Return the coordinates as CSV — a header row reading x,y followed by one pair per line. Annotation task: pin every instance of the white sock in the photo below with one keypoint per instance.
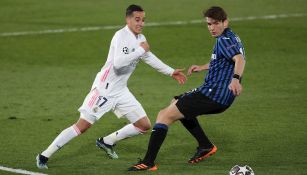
x,y
125,132
65,136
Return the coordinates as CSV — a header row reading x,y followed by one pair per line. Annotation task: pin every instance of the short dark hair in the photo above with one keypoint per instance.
x,y
132,8
216,13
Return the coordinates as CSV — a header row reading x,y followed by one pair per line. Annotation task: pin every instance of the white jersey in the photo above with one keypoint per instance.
x,y
124,54
109,90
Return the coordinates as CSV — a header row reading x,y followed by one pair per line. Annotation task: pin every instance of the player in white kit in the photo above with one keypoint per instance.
x,y
109,91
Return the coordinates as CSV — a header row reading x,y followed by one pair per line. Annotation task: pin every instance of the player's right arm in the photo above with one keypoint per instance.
x,y
122,55
198,68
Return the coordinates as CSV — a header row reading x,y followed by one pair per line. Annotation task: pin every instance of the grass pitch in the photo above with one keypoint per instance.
x,y
45,77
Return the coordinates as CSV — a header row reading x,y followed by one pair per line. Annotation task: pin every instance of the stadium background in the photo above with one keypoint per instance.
x,y
45,77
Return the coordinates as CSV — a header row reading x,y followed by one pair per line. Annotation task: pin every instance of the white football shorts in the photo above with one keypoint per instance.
x,y
96,104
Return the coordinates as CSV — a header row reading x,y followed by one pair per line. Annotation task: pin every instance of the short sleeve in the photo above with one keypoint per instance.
x,y
229,47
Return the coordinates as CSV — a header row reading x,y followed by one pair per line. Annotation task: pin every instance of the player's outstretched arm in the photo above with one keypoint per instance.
x,y
197,68
179,76
235,85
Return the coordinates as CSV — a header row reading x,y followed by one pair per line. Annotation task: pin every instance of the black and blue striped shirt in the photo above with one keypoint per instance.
x,y
221,68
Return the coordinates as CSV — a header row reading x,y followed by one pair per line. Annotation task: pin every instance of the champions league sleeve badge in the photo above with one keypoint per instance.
x,y
125,50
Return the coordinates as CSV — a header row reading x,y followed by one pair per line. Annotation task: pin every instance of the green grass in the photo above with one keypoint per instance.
x,y
44,79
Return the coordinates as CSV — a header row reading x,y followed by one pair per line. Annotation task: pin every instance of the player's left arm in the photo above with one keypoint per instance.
x,y
150,59
198,68
235,85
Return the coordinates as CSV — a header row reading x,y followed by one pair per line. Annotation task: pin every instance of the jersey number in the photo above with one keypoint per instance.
x,y
101,99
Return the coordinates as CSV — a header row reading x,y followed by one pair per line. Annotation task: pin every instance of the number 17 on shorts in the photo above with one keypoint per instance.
x,y
96,104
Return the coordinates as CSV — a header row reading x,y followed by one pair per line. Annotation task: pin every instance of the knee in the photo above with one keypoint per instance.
x,y
161,114
165,117
146,127
82,125
84,129
81,129
143,125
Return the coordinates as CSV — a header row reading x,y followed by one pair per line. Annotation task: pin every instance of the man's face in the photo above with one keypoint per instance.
x,y
215,27
136,22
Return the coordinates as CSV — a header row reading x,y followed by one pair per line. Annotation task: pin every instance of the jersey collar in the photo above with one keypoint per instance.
x,y
224,32
129,31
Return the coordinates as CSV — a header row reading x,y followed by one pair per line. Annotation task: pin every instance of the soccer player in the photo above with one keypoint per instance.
x,y
110,92
215,95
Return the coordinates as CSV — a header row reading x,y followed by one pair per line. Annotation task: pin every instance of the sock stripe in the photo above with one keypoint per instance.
x,y
160,125
76,129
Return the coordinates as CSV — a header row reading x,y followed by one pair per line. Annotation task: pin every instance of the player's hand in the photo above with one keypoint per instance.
x,y
235,87
194,68
179,76
145,46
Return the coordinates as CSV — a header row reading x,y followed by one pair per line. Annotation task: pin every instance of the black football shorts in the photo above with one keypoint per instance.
x,y
194,103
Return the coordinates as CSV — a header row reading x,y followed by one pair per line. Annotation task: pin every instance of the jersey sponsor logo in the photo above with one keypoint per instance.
x,y
125,50
225,38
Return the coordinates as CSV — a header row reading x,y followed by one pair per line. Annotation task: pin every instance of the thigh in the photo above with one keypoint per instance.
x,y
127,106
194,103
169,114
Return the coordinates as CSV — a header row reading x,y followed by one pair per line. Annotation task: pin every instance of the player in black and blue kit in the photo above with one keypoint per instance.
x,y
222,84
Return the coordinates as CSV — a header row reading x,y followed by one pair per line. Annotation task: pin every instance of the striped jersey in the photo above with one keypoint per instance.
x,y
221,68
